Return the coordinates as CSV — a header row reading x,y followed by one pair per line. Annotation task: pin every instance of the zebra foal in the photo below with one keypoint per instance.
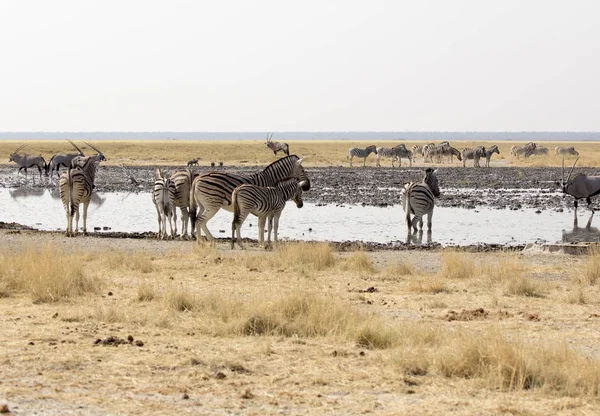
x,y
162,197
419,199
267,203
364,153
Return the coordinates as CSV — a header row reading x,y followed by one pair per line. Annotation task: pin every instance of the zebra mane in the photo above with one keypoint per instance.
x,y
278,162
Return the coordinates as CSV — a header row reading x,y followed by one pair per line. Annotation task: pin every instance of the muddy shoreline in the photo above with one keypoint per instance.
x,y
496,187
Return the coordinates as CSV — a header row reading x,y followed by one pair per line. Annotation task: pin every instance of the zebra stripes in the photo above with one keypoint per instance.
x,y
76,186
267,203
212,191
488,154
475,154
182,182
563,151
419,199
162,197
364,153
526,150
417,149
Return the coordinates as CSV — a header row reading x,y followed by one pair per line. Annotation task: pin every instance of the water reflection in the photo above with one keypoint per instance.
x,y
17,193
583,234
417,238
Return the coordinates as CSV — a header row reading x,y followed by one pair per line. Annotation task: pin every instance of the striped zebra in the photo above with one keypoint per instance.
x,y
437,151
417,149
364,153
182,182
541,151
427,156
385,152
267,203
212,191
419,199
277,147
526,150
401,152
76,186
475,154
488,154
563,151
162,197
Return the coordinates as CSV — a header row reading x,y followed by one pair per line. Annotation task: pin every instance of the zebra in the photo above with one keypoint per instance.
x,y
76,186
277,146
364,153
26,161
417,149
419,199
212,191
64,160
440,150
488,154
162,197
426,152
267,203
561,151
400,151
541,151
526,150
193,162
385,152
475,154
182,181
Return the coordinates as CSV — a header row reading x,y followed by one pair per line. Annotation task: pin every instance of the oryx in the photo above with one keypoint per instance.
x,y
276,146
580,187
26,161
78,161
64,160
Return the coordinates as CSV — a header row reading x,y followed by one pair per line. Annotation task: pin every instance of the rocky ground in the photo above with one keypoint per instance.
x,y
497,187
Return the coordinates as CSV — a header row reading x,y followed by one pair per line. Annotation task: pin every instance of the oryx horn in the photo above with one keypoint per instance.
x,y
75,146
571,171
19,148
93,147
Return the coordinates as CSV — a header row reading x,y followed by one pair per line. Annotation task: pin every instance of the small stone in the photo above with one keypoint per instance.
x,y
185,396
110,293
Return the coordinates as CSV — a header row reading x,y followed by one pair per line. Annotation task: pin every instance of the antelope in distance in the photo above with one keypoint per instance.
x,y
277,147
26,161
193,162
581,186
78,161
64,160
563,151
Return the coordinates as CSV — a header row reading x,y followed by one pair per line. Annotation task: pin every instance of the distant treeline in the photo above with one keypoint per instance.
x,y
307,135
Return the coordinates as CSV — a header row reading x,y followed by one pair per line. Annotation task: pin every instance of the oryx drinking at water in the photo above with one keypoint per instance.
x,y
277,147
26,161
581,186
63,160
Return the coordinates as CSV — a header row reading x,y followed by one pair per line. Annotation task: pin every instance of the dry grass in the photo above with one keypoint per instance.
x,y
592,267
47,274
457,266
254,152
256,340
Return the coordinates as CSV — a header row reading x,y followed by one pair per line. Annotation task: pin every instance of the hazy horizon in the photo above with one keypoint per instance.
x,y
267,65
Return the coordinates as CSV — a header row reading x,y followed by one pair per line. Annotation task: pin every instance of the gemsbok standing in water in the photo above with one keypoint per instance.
x,y
581,186
267,203
277,146
63,160
162,197
419,199
26,161
212,191
76,187
364,153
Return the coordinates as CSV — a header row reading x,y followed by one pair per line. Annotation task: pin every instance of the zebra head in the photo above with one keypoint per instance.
x,y
13,154
297,198
372,149
432,182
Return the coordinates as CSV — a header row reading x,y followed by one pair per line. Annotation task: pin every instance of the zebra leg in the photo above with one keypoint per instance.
x,y
364,162
261,230
201,224
238,227
85,208
184,222
269,228
351,160
429,217
77,218
173,222
159,223
276,226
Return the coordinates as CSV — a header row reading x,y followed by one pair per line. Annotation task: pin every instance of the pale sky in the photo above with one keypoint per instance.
x,y
448,65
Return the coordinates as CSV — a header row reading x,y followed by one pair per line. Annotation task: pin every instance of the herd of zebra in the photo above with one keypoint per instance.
x,y
434,152
264,194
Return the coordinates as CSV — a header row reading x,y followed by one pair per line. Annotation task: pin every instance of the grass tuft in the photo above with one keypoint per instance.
x,y
457,266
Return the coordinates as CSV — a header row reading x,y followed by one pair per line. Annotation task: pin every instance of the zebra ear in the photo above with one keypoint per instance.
x,y
159,173
301,184
298,162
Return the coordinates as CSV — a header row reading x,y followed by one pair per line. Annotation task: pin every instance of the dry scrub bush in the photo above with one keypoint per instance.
x,y
428,284
119,260
503,269
48,274
592,267
511,366
359,261
146,291
398,269
457,266
523,286
300,257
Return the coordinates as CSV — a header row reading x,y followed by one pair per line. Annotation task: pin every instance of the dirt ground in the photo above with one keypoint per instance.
x,y
74,356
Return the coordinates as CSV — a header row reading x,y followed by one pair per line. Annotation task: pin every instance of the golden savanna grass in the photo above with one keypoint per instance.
x,y
257,331
254,152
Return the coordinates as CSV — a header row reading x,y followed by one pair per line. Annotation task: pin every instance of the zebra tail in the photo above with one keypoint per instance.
x,y
236,210
166,198
70,187
408,208
193,207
